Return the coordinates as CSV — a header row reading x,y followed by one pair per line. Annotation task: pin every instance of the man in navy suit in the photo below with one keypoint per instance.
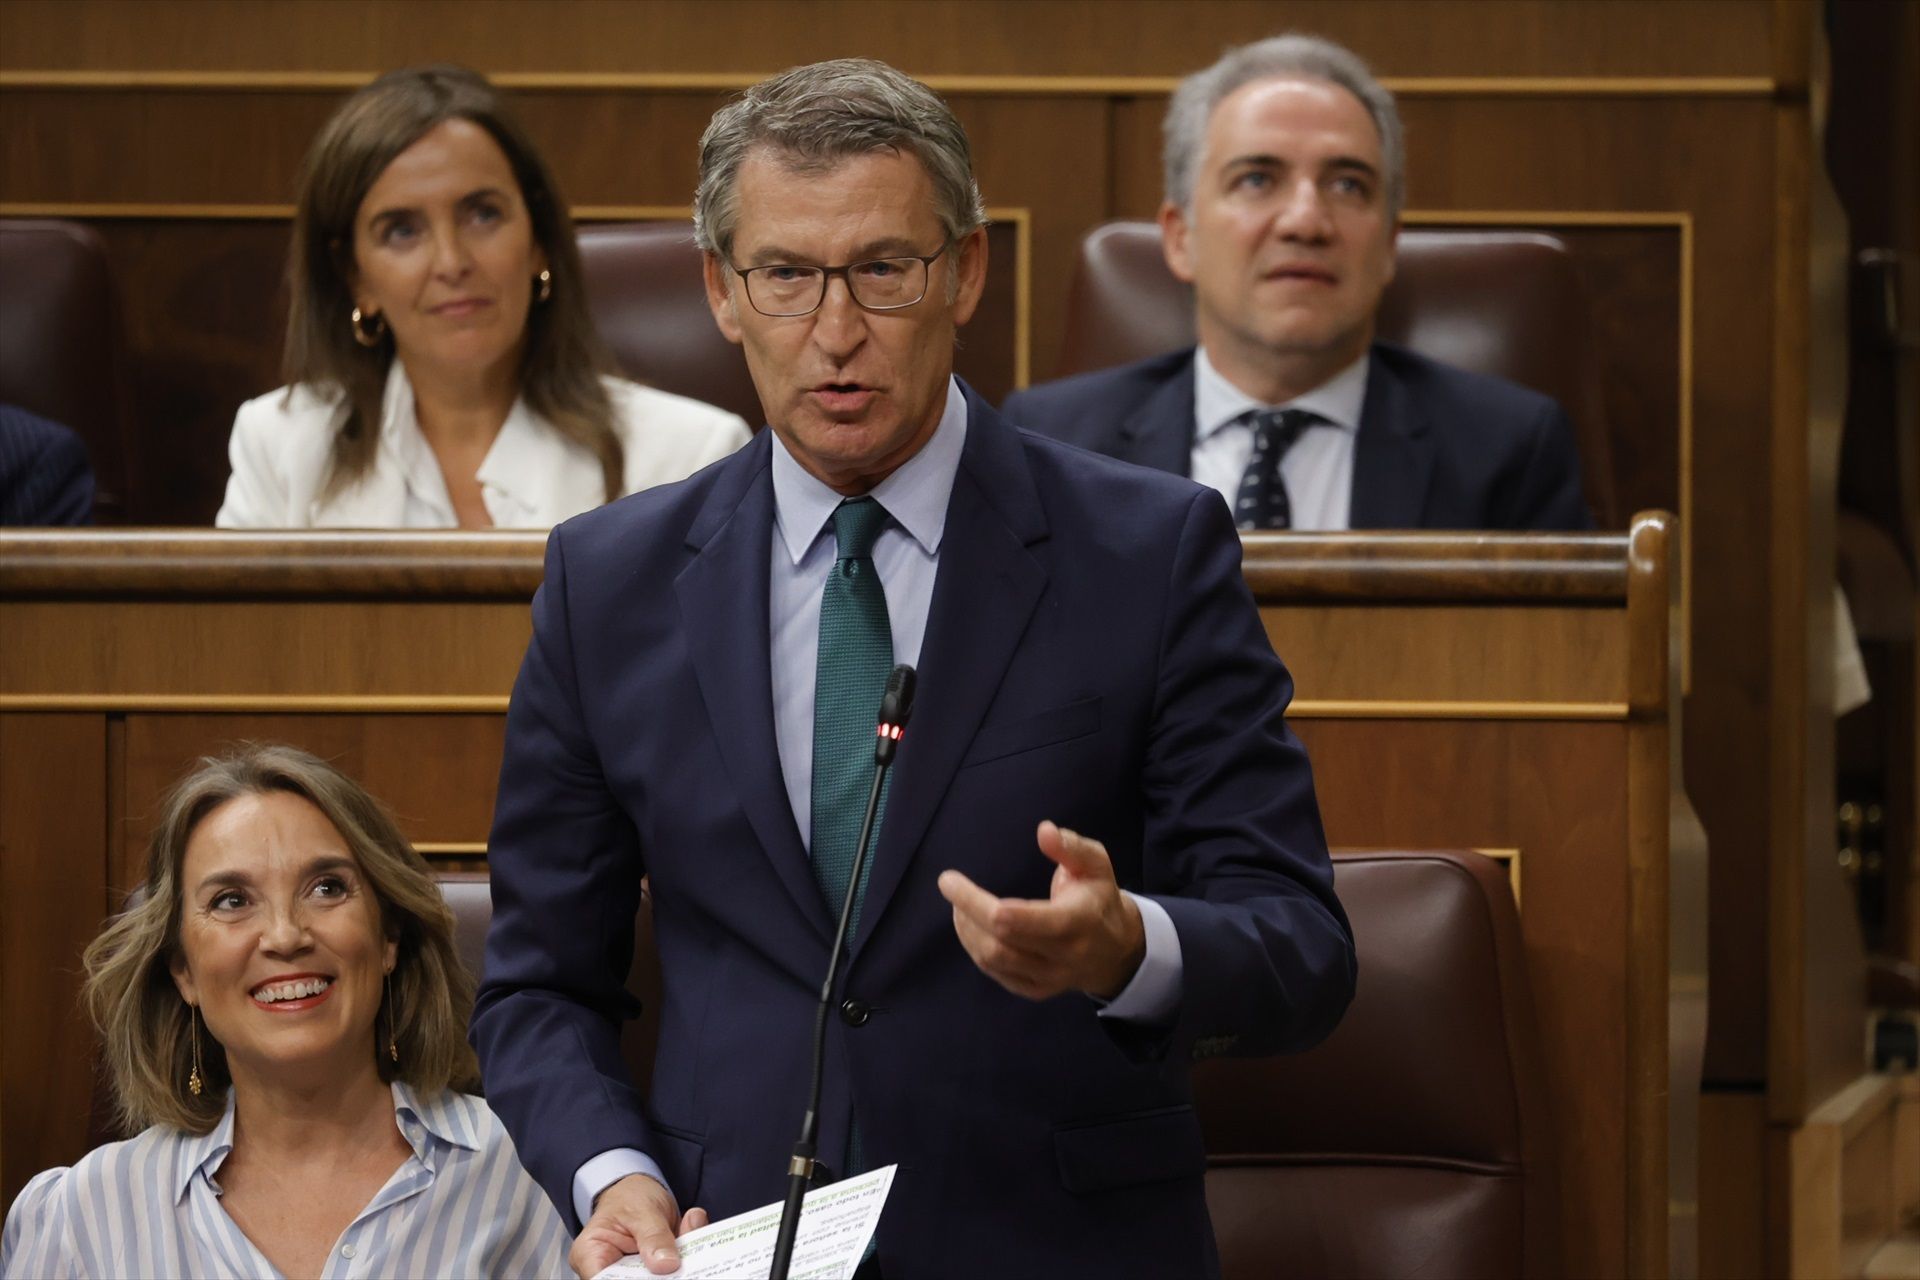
x,y
1099,856
1285,175
45,478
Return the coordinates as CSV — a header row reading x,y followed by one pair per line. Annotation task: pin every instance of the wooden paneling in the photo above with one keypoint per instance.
x,y
436,773
53,838
1559,795
1733,1156
981,37
403,682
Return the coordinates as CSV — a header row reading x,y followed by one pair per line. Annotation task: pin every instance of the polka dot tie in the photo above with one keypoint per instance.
x,y
1262,501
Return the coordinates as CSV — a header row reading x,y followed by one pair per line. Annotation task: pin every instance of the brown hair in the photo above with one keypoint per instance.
x,y
559,370
147,1027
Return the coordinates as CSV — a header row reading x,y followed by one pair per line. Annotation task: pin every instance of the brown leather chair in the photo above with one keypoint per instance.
x,y
1414,1141
471,898
62,351
1507,303
650,306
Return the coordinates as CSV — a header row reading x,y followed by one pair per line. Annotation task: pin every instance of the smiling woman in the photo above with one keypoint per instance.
x,y
283,1014
442,368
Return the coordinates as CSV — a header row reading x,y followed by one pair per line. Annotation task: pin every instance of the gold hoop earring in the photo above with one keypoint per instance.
x,y
393,1049
546,285
195,1082
364,336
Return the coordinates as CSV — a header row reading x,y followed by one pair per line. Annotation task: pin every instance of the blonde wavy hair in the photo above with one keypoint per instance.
x,y
147,1027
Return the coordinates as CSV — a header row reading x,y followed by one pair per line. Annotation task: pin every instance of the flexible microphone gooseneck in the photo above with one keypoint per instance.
x,y
896,705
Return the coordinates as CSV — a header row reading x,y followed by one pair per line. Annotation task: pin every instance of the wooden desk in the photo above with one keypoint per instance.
x,y
1509,694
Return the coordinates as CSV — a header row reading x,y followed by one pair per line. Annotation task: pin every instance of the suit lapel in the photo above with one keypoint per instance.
x,y
723,610
1159,433
1393,455
983,597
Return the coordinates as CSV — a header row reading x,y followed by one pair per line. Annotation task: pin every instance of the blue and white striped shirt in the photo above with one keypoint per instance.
x,y
460,1206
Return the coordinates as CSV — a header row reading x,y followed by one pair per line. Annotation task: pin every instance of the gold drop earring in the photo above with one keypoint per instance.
x,y
194,1079
393,1050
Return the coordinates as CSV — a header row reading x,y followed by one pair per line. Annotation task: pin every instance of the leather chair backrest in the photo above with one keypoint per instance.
x,y
1413,1142
644,287
62,351
470,896
1507,303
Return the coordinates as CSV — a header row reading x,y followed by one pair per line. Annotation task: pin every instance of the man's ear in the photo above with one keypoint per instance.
x,y
720,298
970,269
1173,241
1393,253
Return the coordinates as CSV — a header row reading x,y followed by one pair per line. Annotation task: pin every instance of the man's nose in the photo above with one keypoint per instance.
x,y
840,325
1303,213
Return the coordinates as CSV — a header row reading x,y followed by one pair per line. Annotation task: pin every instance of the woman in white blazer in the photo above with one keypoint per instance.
x,y
443,369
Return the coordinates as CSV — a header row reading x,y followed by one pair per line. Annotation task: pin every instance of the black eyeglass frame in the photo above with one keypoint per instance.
x,y
828,273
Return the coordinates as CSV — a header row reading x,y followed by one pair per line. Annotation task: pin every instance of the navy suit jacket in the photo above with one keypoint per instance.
x,y
1438,448
1092,656
45,478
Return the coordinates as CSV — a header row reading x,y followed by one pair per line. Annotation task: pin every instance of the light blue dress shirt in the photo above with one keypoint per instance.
x,y
461,1205
907,557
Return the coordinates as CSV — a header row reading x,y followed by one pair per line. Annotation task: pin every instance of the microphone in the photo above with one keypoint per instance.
x,y
896,706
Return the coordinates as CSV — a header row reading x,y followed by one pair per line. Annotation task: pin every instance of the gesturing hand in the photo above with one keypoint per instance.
x,y
634,1215
1086,936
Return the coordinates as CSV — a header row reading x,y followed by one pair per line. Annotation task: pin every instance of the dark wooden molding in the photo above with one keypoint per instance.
x,y
1282,569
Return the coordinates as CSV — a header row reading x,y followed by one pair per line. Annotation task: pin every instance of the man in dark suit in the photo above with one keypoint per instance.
x,y
45,478
1099,855
1284,183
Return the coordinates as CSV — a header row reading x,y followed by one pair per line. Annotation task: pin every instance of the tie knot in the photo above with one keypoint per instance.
x,y
856,524
1276,430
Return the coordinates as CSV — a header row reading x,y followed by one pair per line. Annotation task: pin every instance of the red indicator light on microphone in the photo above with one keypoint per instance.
x,y
889,731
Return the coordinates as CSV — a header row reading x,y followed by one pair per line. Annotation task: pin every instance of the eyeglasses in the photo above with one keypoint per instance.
x,y
878,284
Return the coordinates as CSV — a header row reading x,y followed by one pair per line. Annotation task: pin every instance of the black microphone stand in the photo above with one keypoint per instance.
x,y
896,705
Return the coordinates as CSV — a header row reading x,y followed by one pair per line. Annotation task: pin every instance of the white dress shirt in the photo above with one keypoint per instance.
x,y
532,477
460,1205
906,555
1318,470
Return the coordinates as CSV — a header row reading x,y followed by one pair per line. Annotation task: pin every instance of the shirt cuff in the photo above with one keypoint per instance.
x,y
607,1168
1154,993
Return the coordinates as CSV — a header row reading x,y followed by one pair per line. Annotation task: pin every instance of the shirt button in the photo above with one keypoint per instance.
x,y
346,1251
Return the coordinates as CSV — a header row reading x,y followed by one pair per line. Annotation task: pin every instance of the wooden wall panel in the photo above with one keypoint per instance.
x,y
979,37
1559,796
435,773
52,878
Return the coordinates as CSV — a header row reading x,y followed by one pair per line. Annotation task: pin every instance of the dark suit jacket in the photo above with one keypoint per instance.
x,y
1109,672
45,478
1438,448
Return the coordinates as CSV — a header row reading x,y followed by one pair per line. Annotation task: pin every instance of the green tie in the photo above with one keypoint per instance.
x,y
856,653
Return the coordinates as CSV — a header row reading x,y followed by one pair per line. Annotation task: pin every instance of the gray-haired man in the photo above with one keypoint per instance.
x,y
1285,177
697,705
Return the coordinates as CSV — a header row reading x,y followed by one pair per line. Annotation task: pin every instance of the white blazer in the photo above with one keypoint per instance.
x,y
532,477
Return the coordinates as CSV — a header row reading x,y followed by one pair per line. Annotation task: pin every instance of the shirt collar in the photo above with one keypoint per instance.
x,y
915,495
1217,402
520,454
428,1125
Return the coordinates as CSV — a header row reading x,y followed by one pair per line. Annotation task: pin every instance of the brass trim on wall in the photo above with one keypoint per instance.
x,y
1759,87
304,703
1416,709
496,704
